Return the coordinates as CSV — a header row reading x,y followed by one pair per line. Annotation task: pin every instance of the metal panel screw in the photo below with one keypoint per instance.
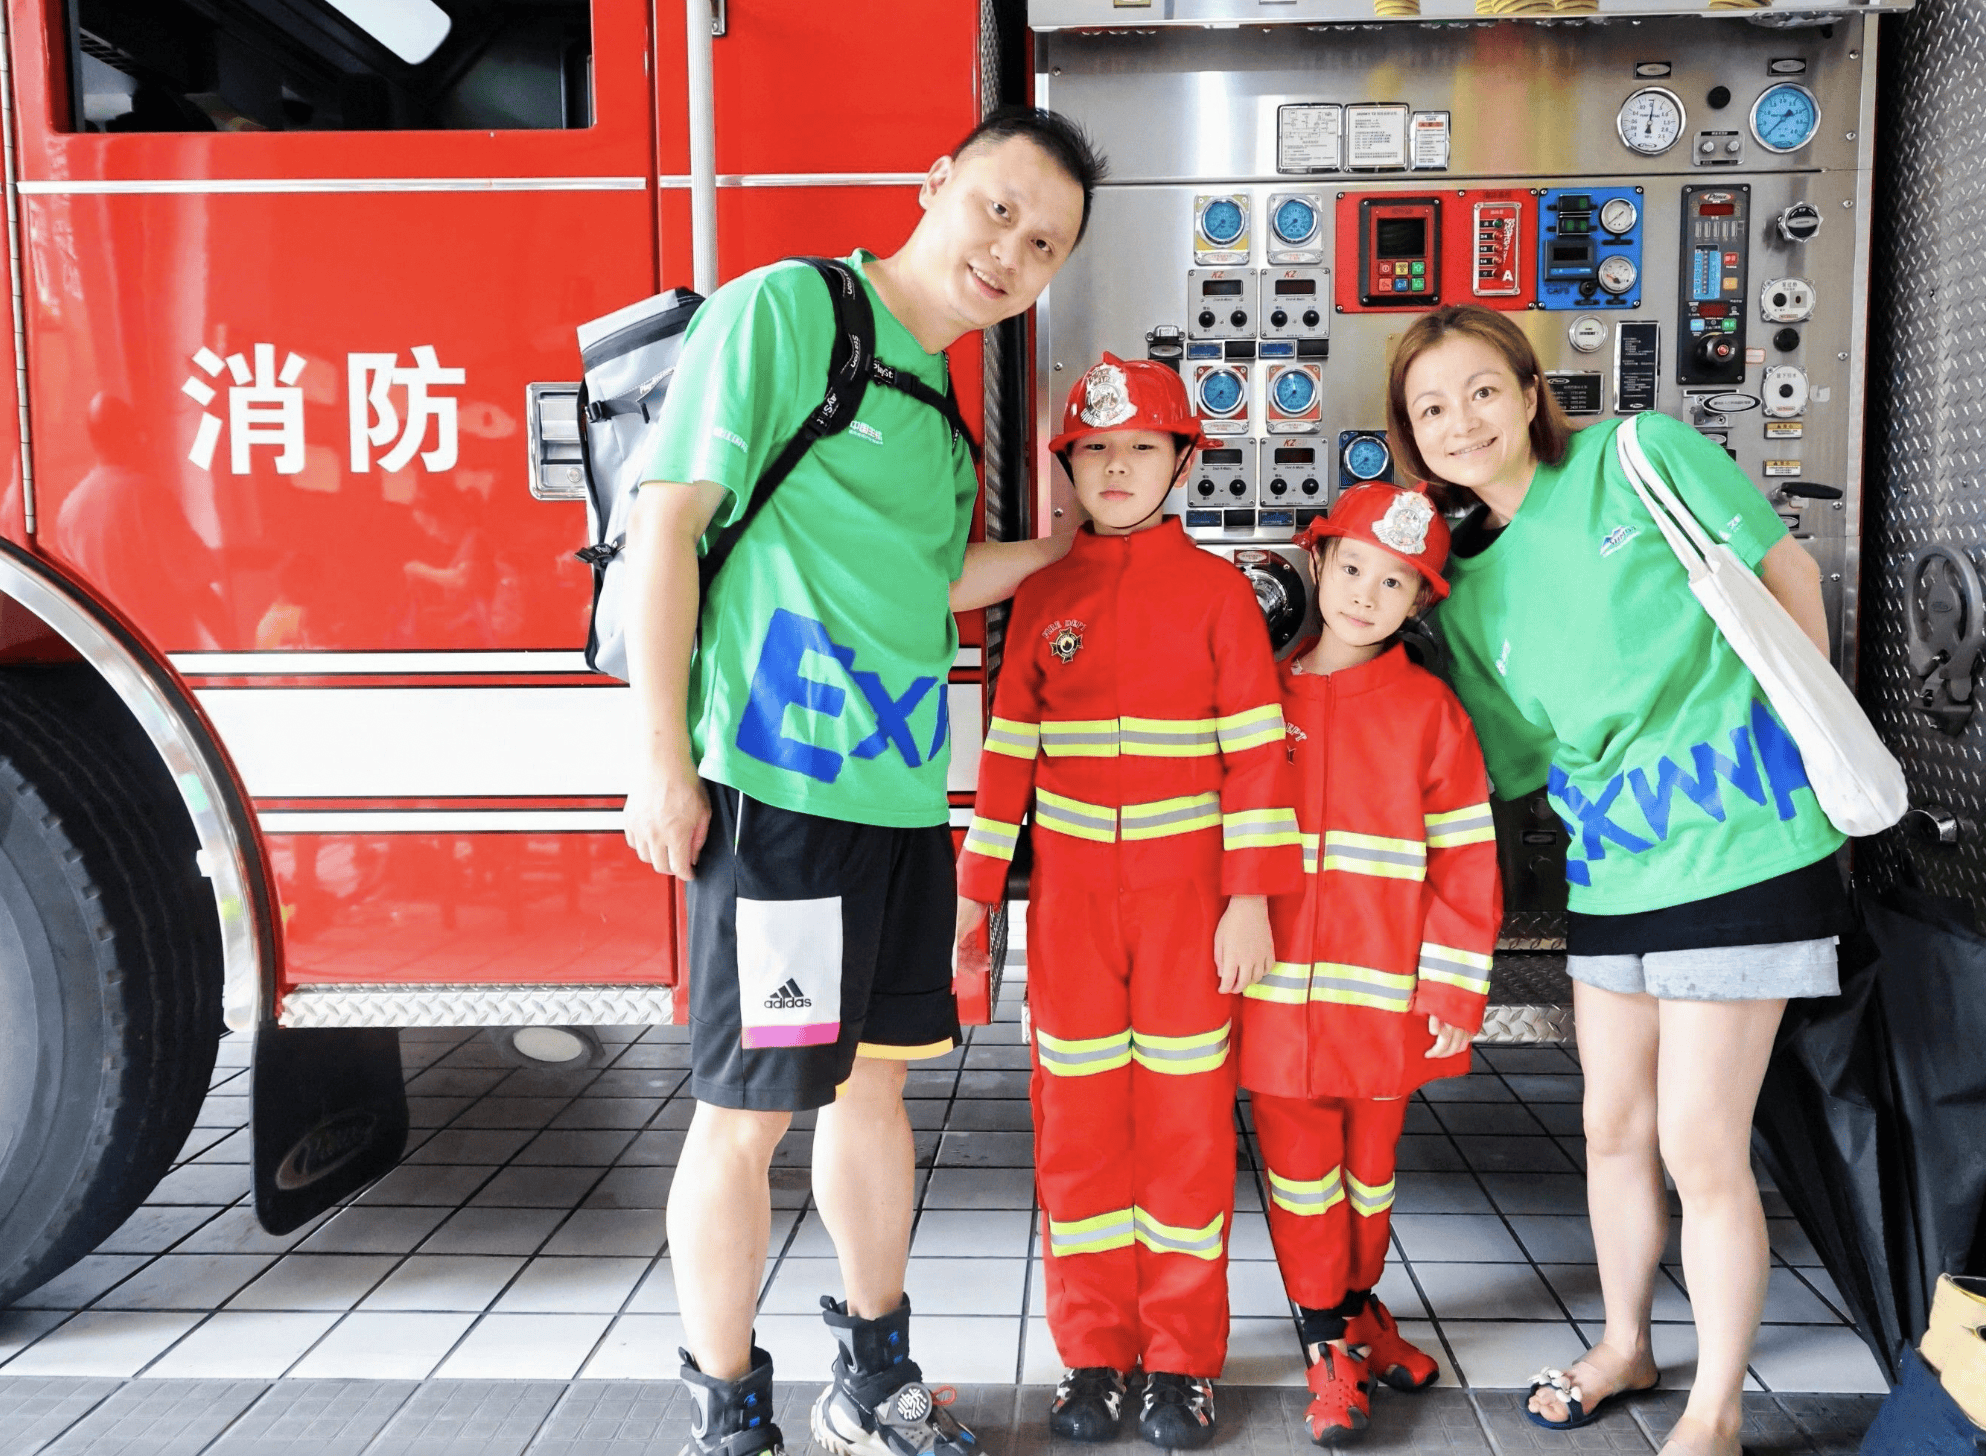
x,y
1831,576
1851,136
1842,357
1058,367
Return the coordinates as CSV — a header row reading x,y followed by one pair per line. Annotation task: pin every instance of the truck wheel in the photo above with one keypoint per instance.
x,y
110,969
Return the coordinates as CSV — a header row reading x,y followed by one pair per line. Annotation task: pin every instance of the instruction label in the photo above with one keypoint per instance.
x,y
1430,137
1577,393
1310,137
1377,137
1637,365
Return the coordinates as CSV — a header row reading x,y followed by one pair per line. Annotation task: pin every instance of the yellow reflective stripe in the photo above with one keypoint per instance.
x,y
1163,817
1074,817
1456,827
1181,1056
1259,829
1241,731
1311,844
1288,982
1373,854
1451,967
1348,985
1306,1199
1369,1198
1080,738
1097,1235
991,838
1168,737
1164,1238
1016,740
1078,1058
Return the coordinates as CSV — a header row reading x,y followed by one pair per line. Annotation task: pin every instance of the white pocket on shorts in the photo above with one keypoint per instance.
x,y
789,972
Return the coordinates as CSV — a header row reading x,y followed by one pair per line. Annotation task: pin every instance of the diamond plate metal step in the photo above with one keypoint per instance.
x,y
1530,1001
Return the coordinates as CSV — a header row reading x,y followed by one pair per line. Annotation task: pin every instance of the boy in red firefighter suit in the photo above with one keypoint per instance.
x,y
1137,719
1383,958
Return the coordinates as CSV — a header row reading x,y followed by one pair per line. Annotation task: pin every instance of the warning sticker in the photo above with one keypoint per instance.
x,y
1310,137
1377,137
1430,133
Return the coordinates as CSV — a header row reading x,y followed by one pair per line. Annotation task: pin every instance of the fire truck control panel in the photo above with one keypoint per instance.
x,y
1672,207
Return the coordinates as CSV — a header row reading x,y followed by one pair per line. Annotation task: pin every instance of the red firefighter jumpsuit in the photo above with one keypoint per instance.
x,y
1397,920
1137,706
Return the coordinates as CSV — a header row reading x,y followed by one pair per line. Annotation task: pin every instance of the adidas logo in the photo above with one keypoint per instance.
x,y
788,997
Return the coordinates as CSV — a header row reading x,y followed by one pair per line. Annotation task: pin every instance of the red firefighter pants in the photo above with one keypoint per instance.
x,y
1330,1166
1133,1093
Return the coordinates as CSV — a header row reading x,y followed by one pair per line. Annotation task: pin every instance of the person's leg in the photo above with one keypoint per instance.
x,y
1372,1144
720,1215
1712,1061
1303,1152
864,1183
1628,1206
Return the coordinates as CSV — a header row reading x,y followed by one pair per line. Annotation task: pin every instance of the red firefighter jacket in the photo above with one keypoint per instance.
x,y
1138,709
1401,902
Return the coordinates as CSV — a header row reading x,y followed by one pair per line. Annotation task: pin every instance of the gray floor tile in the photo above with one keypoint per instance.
x,y
986,1150
1466,1119
153,1229
1440,1193
632,1113
634,1188
35,1411
570,1148
618,1418
1562,1193
469,1418
158,1418
1616,1431
1769,1428
1515,1155
186,1281
1834,1424
512,1112
314,1418
1556,1089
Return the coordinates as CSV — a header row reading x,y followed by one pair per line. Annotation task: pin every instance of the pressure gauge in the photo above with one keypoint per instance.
x,y
1618,273
1222,220
1367,458
1785,117
1650,121
1220,392
1619,215
1294,391
1295,221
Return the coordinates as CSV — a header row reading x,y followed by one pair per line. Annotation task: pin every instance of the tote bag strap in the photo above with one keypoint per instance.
x,y
1678,525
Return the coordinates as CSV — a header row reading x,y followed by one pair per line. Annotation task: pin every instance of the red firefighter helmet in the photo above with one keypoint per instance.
x,y
1137,394
1403,523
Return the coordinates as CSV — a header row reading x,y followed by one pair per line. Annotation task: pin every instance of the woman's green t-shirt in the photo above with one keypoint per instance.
x,y
1590,669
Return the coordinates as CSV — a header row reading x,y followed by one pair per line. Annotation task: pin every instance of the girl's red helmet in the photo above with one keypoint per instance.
x,y
1402,522
1137,394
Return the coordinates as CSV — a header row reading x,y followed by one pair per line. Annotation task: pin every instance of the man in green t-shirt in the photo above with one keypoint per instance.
x,y
792,758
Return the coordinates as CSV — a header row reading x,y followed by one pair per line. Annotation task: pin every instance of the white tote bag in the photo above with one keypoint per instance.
x,y
1858,781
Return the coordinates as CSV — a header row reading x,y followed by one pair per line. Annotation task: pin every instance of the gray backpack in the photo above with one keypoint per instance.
x,y
628,359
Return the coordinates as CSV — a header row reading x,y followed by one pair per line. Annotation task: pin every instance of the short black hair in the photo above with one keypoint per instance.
x,y
1066,144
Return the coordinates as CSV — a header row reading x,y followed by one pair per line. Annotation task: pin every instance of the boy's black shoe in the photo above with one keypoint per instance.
x,y
1088,1404
732,1417
878,1403
1178,1411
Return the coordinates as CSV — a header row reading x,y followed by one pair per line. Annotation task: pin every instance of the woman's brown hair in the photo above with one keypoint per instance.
x,y
1550,430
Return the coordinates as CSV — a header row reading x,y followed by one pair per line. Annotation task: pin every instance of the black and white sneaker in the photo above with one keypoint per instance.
x,y
1088,1404
1178,1411
878,1403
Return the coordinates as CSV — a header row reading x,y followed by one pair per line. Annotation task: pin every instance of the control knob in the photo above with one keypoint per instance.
x,y
1714,351
1237,487
1207,319
1239,318
1309,487
1278,319
1310,318
1799,222
1204,488
1279,486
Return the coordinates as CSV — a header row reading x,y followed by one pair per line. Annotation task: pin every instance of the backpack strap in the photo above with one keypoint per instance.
x,y
946,404
850,365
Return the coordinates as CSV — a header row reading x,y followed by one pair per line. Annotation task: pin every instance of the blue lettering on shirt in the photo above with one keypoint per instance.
x,y
778,684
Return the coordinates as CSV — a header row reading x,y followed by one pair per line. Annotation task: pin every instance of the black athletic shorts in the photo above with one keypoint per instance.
x,y
812,941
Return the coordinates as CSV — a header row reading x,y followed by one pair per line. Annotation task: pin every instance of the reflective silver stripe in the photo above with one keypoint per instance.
x,y
1079,1058
1085,821
1154,733
1322,980
1164,1238
1376,856
1141,816
1368,1198
1091,1235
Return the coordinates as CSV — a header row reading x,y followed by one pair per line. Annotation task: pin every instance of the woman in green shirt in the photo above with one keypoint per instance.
x,y
1700,876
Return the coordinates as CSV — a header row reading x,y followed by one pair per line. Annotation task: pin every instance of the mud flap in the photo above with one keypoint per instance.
x,y
329,1115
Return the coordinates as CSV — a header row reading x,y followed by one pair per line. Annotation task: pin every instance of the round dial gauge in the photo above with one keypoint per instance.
x,y
1618,216
1617,273
1587,334
1221,221
1220,392
1785,117
1367,458
1296,221
1293,390
1650,121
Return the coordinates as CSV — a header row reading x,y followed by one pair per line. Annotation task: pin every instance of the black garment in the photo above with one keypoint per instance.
x,y
778,1027
1473,534
1803,904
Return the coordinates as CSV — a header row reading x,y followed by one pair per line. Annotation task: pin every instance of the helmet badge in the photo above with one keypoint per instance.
x,y
1404,526
1106,398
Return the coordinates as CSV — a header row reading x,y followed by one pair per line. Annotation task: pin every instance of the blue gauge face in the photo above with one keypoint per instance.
x,y
1294,390
1222,221
1220,391
1785,118
1366,458
1296,220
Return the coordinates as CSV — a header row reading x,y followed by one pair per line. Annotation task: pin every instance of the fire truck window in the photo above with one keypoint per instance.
x,y
330,65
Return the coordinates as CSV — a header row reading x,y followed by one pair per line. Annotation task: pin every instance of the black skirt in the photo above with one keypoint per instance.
x,y
1803,904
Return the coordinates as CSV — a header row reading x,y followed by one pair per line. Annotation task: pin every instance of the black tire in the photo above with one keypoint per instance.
x,y
110,972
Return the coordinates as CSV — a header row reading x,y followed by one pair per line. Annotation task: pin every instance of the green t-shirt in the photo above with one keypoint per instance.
x,y
1590,668
819,678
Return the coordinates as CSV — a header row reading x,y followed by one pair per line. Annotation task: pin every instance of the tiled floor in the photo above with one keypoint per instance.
x,y
522,1241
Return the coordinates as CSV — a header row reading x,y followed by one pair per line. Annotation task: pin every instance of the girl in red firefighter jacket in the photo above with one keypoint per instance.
x,y
1383,957
1137,721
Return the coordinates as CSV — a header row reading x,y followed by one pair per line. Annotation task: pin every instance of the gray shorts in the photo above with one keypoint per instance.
x,y
1788,968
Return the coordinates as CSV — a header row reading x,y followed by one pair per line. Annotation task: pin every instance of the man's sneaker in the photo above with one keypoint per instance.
x,y
1388,1353
1088,1404
1341,1398
878,1403
731,1417
1178,1411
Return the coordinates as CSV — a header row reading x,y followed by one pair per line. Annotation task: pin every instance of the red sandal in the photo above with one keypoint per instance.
x,y
1342,1407
1388,1353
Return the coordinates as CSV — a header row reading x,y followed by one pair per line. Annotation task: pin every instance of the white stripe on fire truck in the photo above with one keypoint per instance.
x,y
133,186
441,821
672,180
400,664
